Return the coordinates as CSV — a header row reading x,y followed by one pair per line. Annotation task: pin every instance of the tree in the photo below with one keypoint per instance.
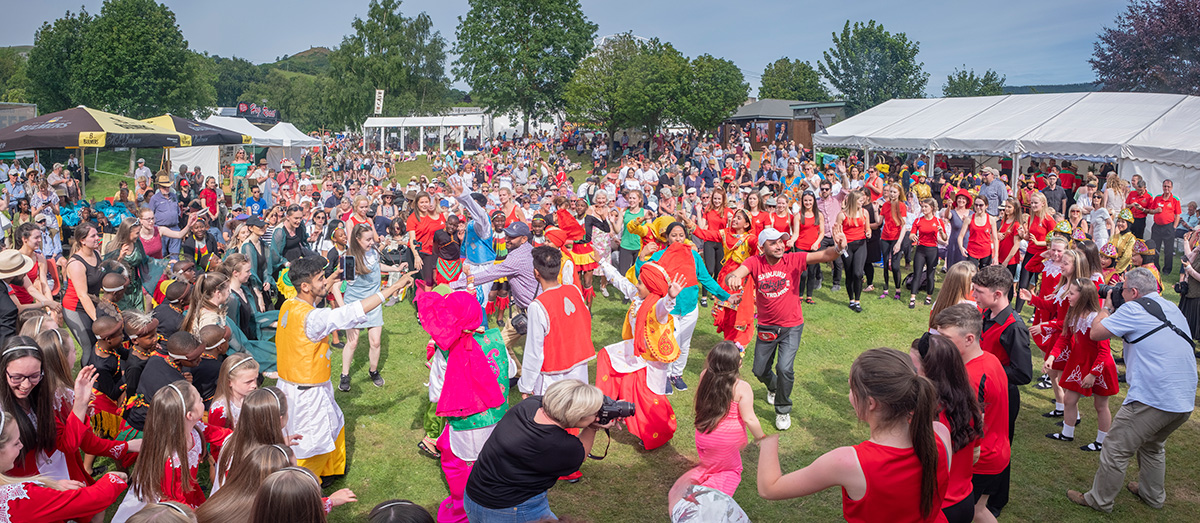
x,y
792,80
303,99
134,61
869,66
714,88
51,63
13,82
520,54
965,83
1155,47
234,76
652,85
593,94
403,56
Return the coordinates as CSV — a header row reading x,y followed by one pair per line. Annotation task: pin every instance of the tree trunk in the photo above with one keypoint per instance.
x,y
608,141
133,160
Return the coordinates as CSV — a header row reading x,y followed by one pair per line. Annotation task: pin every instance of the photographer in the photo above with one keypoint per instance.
x,y
1161,372
529,450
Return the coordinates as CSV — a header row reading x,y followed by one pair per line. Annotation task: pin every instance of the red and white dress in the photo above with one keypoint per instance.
x,y
174,474
1046,307
222,413
1086,358
33,501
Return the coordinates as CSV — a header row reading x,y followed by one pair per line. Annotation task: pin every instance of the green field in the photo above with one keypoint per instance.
x,y
383,426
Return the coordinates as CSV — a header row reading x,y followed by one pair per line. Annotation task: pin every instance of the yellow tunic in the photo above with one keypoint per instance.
x,y
1124,244
300,360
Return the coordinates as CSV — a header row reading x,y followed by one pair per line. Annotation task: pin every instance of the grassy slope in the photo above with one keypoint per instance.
x,y
383,426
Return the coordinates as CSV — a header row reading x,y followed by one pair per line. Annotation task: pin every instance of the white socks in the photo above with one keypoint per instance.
x,y
1059,406
1100,435
1068,430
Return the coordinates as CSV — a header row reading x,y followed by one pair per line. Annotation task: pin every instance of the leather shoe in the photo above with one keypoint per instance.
x,y
1077,498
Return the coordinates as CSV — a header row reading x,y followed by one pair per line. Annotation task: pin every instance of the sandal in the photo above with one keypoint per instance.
x,y
884,295
809,300
929,300
1094,446
433,453
897,296
1059,436
912,302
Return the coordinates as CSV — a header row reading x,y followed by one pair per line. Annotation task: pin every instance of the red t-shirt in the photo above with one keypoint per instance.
x,y
777,289
717,219
927,231
423,229
210,199
1145,200
1170,209
995,449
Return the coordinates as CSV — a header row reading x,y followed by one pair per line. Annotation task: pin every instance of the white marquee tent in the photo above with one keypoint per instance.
x,y
1154,135
292,141
460,124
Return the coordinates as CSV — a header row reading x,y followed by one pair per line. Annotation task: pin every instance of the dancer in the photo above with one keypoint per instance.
x,y
368,279
894,228
927,232
1009,233
1090,369
904,463
737,243
553,349
984,246
809,225
238,377
956,214
635,370
1124,240
853,223
1048,329
1039,223
724,410
1052,269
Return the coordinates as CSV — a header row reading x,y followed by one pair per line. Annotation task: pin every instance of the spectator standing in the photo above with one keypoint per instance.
x,y
165,205
993,190
142,172
1139,201
1166,211
1056,196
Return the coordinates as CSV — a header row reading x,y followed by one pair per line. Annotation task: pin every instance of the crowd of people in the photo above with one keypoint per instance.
x,y
186,292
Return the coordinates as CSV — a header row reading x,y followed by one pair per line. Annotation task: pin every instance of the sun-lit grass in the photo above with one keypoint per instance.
x,y
383,426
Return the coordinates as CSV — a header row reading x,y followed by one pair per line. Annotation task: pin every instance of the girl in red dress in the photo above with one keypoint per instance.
x,y
738,242
42,499
239,377
1050,334
1038,226
1089,369
901,473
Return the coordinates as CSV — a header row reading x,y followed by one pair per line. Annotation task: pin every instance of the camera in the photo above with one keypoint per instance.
x,y
1117,299
613,409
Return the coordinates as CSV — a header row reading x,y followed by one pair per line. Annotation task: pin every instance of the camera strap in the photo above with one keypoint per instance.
x,y
1154,309
606,445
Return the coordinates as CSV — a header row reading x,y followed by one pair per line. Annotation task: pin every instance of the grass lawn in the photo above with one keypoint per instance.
x,y
383,426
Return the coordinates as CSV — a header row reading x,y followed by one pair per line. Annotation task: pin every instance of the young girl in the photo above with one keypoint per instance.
x,y
724,410
1052,270
894,227
1048,333
43,499
1089,370
232,504
937,358
927,231
737,243
289,494
174,441
1146,257
260,422
1008,230
1038,226
238,377
809,227
209,299
904,462
368,276
1108,265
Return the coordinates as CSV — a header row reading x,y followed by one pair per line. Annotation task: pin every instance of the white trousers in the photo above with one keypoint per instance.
x,y
684,327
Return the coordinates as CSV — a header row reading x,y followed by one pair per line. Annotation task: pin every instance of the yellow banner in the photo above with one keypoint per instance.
x,y
92,139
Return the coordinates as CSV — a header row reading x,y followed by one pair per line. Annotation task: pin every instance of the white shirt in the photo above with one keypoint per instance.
x,y
533,381
142,172
322,321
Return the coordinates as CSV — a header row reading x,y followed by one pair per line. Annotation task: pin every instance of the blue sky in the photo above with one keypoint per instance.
x,y
1029,41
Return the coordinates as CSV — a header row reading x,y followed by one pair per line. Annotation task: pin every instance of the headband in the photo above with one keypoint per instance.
x,y
182,401
304,470
392,504
113,289
174,507
211,347
278,404
38,328
176,356
55,331
1,423
20,347
279,447
238,364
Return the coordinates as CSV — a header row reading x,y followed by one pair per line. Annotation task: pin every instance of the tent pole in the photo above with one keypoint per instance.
x,y
441,139
1016,171
402,147
82,165
421,141
382,138
462,138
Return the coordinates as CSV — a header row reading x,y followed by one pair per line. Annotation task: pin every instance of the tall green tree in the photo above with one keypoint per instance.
x,y
402,55
233,76
13,82
966,83
787,79
714,88
652,86
135,62
304,100
520,54
869,66
593,94
50,69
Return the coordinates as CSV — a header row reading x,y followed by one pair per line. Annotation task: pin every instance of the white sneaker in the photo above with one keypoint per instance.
x,y
770,398
604,291
783,421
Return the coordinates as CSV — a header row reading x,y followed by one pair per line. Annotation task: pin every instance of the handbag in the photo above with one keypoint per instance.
x,y
520,322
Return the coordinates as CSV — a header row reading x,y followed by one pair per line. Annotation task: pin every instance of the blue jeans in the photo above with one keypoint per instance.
x,y
533,509
781,352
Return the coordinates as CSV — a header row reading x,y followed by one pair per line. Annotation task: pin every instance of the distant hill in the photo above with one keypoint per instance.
x,y
1047,89
20,49
313,61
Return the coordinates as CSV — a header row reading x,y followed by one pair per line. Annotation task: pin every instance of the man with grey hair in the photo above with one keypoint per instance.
x,y
993,190
1161,372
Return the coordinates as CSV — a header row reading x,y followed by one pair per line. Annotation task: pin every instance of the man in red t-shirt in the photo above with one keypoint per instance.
x,y
780,318
1166,211
1138,202
963,324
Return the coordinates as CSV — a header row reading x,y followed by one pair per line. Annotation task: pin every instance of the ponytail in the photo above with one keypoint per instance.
x,y
924,440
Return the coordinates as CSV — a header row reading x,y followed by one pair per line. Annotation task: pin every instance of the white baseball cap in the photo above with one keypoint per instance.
x,y
771,234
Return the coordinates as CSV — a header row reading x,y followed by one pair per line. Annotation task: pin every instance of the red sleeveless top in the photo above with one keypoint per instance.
x,y
894,486
18,287
979,244
961,469
891,228
563,347
854,228
1008,237
808,233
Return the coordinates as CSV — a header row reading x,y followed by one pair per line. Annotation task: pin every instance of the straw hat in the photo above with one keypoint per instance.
x,y
13,263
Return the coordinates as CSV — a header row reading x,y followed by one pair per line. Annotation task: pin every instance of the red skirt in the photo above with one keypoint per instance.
x,y
653,420
736,324
446,271
584,257
1076,368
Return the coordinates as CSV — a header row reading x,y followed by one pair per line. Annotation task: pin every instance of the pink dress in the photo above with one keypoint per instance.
x,y
721,453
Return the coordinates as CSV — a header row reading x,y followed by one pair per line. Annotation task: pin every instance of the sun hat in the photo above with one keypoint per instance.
x,y
13,263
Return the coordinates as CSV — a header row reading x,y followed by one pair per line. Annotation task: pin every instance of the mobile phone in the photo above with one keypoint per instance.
x,y
348,272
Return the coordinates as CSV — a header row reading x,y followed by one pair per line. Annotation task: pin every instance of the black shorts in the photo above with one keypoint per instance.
x,y
961,512
986,484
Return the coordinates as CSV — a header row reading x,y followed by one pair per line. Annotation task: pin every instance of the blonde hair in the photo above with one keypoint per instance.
x,y
164,512
956,287
260,423
234,364
570,402
289,494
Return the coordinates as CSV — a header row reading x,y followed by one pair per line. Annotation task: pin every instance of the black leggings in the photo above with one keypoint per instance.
x,y
927,257
891,263
1012,269
1027,277
981,262
713,253
810,277
625,259
855,260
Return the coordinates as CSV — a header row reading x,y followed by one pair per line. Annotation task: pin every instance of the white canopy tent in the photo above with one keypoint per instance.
x,y
1154,135
460,126
292,141
258,137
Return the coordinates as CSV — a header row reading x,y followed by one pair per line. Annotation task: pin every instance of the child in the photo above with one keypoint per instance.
x,y
182,355
399,511
237,378
1050,332
1144,256
204,375
1089,368
260,422
174,442
42,499
724,410
447,246
164,512
289,494
144,340
1047,283
1108,265
170,313
106,403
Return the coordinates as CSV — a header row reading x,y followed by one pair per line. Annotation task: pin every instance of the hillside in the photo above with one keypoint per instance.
x,y
20,49
313,61
1047,89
